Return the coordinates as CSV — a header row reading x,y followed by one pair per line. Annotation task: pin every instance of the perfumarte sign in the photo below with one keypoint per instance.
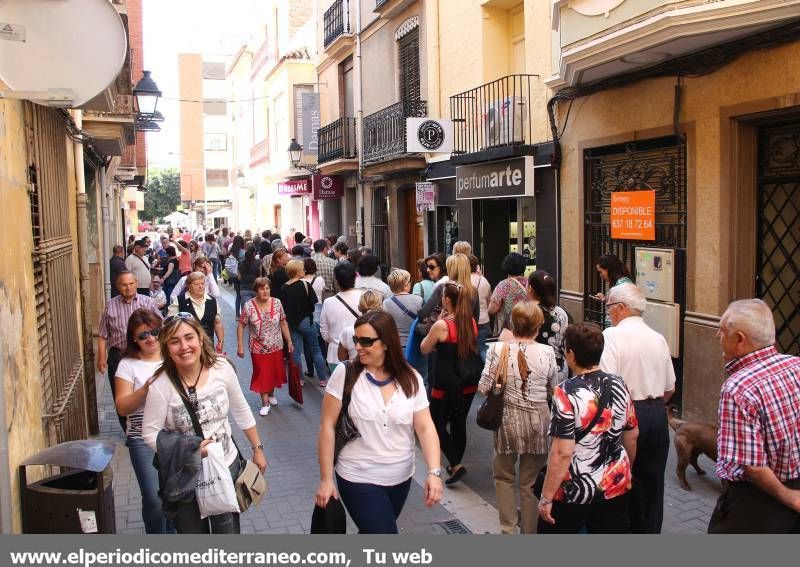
x,y
505,178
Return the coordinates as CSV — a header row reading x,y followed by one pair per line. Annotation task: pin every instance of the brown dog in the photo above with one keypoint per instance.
x,y
691,440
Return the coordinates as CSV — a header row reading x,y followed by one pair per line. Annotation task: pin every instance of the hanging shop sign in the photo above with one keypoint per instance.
x,y
429,135
311,122
294,187
633,215
325,187
426,196
505,178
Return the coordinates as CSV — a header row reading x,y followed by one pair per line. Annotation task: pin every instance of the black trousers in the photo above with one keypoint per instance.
x,y
114,356
652,450
601,517
452,439
743,508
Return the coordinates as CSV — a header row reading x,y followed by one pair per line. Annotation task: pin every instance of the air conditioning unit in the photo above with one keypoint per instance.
x,y
504,121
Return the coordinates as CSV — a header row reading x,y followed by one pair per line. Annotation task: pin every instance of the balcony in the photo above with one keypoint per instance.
x,y
390,8
385,130
336,24
592,43
259,153
337,141
494,120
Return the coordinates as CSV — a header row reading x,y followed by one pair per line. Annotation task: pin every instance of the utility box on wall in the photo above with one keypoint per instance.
x,y
656,276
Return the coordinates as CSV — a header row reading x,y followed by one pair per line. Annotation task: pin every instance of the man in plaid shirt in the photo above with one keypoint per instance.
x,y
325,266
758,443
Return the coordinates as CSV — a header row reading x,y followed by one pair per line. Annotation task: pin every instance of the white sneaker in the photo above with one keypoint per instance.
x,y
273,401
264,410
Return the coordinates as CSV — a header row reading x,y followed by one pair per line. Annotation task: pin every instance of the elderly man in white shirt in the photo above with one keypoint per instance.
x,y
642,358
340,311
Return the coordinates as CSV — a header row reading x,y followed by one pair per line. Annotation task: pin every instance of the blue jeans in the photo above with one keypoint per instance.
x,y
374,508
304,336
215,267
483,333
245,295
147,477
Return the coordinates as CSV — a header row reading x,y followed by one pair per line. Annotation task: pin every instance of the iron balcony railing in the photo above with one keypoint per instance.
x,y
385,130
337,140
493,115
336,21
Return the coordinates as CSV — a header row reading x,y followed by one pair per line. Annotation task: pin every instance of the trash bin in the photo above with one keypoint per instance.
x,y
78,500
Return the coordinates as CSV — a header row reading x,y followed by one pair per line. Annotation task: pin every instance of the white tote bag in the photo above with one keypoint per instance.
x,y
215,491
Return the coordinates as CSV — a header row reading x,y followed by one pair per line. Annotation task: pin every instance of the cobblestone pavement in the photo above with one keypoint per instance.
x,y
290,436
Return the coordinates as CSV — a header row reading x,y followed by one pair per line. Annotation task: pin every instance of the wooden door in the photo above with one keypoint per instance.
x,y
415,246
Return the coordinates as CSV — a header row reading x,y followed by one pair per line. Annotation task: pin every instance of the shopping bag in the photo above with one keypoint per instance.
x,y
295,389
215,491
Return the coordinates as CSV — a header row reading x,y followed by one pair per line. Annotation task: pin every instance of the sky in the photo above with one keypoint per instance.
x,y
186,26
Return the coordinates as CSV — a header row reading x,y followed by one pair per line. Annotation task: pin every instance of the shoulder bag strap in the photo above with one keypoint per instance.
x,y
349,382
402,307
350,309
605,398
192,414
502,367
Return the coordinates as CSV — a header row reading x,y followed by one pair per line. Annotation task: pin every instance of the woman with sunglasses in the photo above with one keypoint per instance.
x,y
193,374
431,272
134,375
388,406
453,337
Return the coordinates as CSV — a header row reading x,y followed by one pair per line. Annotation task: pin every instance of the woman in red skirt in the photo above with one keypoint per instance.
x,y
264,317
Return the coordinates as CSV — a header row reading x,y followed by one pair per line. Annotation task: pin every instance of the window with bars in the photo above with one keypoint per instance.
x,y
408,65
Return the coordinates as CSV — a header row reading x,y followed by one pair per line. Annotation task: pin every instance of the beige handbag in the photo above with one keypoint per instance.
x,y
250,486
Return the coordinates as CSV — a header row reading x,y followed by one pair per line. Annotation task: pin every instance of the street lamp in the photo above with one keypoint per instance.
x,y
147,95
295,153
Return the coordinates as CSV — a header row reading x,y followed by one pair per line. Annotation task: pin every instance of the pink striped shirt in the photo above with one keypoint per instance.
x,y
114,322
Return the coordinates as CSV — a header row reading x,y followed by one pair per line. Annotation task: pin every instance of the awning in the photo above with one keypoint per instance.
x,y
221,214
176,217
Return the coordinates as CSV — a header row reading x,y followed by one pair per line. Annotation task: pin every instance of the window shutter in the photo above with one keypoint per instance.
x,y
408,51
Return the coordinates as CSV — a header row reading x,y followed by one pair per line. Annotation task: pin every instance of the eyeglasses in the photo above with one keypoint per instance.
x,y
431,266
365,342
151,333
609,305
182,316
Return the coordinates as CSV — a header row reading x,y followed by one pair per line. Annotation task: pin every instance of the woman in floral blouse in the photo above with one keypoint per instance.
x,y
509,292
264,317
589,468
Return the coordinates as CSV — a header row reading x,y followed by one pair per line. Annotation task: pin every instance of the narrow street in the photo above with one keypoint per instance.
x,y
290,434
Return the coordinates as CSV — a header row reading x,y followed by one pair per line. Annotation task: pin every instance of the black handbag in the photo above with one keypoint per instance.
x,y
345,430
605,398
490,413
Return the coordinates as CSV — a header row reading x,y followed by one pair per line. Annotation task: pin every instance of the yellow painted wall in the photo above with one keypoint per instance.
x,y
22,392
629,113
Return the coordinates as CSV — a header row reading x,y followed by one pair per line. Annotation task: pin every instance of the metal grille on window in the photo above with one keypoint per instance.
x,y
61,363
408,50
778,255
380,224
658,164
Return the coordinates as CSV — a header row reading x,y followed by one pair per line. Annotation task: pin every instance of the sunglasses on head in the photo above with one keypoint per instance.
x,y
182,316
153,332
365,341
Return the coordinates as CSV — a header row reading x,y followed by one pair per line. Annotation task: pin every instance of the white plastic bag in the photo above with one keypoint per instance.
x,y
215,491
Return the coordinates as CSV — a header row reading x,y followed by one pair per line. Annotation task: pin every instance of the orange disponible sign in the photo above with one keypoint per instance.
x,y
633,215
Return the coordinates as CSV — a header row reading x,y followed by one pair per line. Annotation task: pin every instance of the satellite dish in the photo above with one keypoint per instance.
x,y
62,52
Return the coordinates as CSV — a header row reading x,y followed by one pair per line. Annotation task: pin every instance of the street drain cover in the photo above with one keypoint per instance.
x,y
455,527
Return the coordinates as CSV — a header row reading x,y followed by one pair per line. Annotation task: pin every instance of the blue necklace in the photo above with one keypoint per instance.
x,y
377,382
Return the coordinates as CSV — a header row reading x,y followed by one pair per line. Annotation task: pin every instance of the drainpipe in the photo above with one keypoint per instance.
x,y
83,264
106,251
6,517
359,103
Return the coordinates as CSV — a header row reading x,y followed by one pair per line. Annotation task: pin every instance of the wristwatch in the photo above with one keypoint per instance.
x,y
436,472
259,446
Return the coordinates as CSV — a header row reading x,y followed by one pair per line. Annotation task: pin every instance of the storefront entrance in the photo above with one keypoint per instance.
x,y
778,236
503,226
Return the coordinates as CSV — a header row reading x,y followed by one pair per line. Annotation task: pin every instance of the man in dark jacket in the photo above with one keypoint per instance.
x,y
117,266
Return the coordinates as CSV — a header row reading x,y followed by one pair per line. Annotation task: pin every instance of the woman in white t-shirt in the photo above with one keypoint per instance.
x,y
388,405
193,371
135,373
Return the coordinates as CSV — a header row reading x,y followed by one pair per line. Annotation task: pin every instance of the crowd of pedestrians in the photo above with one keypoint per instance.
x,y
583,440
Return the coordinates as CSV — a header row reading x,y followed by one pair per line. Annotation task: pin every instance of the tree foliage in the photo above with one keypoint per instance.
x,y
163,193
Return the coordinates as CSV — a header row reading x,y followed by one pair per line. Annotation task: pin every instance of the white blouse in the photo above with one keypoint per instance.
x,y
384,454
220,395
